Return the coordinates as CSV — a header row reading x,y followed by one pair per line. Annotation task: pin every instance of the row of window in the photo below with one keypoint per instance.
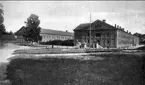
x,y
99,35
58,37
97,41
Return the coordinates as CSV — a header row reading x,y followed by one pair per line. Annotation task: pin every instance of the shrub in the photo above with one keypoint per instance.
x,y
59,42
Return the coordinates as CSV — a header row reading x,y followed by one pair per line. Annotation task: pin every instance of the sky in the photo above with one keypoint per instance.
x,y
67,15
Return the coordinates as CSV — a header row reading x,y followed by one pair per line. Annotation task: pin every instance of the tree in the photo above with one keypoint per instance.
x,y
2,27
32,29
1,14
141,37
11,33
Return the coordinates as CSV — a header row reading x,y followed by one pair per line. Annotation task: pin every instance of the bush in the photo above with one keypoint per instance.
x,y
59,42
3,67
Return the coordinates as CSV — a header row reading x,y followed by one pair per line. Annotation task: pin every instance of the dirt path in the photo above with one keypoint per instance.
x,y
7,51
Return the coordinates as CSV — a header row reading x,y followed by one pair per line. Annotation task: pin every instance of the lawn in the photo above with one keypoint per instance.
x,y
48,51
2,70
3,67
112,69
61,50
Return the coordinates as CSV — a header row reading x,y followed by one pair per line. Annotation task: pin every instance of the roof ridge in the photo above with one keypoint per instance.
x,y
87,24
50,31
56,30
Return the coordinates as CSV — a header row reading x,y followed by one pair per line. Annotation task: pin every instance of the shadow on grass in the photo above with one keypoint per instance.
x,y
115,69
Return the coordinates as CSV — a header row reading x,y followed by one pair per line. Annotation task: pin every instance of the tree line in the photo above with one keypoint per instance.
x,y
2,26
141,38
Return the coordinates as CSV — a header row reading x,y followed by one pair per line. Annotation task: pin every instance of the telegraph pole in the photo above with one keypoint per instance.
x,y
90,33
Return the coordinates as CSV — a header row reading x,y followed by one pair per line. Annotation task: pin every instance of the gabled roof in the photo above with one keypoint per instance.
x,y
82,26
47,31
20,31
56,32
86,25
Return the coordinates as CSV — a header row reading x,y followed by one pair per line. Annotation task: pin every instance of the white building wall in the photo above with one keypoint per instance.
x,y
46,37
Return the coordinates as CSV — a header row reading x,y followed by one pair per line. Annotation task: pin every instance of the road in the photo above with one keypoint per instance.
x,y
8,50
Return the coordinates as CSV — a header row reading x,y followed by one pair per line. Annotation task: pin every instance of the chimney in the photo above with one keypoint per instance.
x,y
104,20
115,26
123,29
127,31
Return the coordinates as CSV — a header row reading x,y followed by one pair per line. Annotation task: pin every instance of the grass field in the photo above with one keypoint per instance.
x,y
61,50
2,70
113,69
3,67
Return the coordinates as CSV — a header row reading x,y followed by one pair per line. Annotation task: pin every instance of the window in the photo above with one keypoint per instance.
x,y
108,42
97,25
88,34
108,34
98,34
98,41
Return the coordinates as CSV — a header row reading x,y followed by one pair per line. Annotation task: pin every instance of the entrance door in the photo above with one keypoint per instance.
x,y
98,41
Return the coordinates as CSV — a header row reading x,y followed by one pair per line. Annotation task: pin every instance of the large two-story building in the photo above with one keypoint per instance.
x,y
104,34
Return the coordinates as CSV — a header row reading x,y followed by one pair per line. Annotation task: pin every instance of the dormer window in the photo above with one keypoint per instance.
x,y
97,25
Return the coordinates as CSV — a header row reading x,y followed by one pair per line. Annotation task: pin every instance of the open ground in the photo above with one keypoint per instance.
x,y
40,66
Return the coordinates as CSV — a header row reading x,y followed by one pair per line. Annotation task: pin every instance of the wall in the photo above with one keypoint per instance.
x,y
8,37
115,39
103,39
125,39
108,39
83,35
48,37
136,41
20,39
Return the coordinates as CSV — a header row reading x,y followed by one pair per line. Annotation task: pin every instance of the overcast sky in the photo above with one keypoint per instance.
x,y
66,15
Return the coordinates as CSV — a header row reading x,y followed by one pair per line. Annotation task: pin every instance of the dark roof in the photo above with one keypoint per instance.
x,y
86,25
56,32
82,26
46,31
20,31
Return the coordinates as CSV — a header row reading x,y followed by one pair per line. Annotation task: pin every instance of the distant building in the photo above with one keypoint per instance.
x,y
8,37
48,35
104,35
19,37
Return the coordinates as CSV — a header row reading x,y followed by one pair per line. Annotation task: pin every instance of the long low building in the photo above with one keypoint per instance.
x,y
47,35
104,35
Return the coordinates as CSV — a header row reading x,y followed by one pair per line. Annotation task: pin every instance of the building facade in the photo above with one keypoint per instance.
x,y
104,35
50,35
47,35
